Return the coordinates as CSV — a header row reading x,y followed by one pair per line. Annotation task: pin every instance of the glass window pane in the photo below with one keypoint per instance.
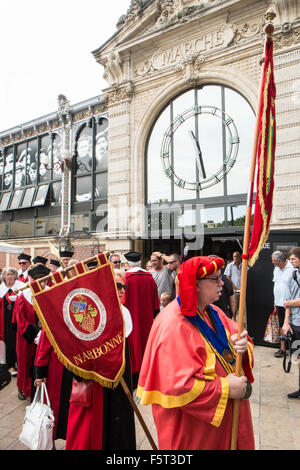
x,y
32,173
8,169
241,112
56,193
19,175
41,195
20,165
31,162
1,170
236,215
101,150
45,159
27,201
159,185
47,226
15,201
183,102
214,217
99,220
4,201
57,157
102,124
101,186
84,151
44,171
21,228
4,230
80,222
83,189
210,95
210,138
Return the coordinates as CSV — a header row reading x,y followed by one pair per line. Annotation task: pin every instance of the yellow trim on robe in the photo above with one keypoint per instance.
x,y
209,370
250,354
170,401
217,420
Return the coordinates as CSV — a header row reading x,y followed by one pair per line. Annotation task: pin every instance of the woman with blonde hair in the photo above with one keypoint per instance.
x,y
8,288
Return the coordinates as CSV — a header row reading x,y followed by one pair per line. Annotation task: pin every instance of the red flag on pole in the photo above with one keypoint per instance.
x,y
265,159
83,320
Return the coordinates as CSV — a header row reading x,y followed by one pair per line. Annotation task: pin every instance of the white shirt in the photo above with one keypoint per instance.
x,y
127,320
3,288
135,270
235,273
281,279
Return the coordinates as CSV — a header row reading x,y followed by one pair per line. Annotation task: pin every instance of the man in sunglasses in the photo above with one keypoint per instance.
x,y
188,370
141,299
115,260
24,263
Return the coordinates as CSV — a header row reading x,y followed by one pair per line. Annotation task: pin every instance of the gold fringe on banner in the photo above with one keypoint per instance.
x,y
86,375
265,229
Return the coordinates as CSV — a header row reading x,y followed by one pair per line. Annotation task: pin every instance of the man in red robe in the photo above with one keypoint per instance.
x,y
27,334
141,299
188,368
24,262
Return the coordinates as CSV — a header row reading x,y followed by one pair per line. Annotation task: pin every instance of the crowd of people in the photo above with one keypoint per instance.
x,y
32,360
187,377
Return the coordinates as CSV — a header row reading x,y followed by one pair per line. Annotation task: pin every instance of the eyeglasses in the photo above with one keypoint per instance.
x,y
216,279
116,262
120,286
23,262
172,262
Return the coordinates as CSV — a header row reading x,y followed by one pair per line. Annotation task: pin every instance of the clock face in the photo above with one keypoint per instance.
x,y
199,147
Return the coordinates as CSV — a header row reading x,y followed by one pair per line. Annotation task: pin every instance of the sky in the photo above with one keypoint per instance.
x,y
45,50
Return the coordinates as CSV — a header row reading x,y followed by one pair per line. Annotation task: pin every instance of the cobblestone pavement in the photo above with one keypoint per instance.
x,y
276,418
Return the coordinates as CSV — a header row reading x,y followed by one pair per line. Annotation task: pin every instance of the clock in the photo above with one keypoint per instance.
x,y
193,154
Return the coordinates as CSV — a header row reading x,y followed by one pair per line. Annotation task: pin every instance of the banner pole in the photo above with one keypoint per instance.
x,y
138,414
63,271
268,29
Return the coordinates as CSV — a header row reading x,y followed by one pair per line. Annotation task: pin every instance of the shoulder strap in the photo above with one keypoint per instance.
x,y
295,277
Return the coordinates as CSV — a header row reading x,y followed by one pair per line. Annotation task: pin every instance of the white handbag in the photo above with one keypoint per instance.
x,y
37,431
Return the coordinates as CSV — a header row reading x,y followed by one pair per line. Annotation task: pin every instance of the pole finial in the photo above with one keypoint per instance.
x,y
270,15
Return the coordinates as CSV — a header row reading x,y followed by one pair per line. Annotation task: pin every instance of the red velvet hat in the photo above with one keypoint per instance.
x,y
192,269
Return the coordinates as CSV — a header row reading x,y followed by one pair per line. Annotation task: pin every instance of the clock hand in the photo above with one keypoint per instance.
x,y
198,157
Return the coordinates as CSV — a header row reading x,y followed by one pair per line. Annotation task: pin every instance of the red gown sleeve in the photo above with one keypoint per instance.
x,y
26,319
42,357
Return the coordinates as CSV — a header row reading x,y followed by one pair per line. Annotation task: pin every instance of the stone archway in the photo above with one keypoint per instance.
x,y
216,75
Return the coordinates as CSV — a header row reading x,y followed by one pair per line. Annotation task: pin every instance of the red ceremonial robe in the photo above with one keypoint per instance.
x,y
187,386
59,383
141,299
7,321
27,330
107,423
7,332
23,276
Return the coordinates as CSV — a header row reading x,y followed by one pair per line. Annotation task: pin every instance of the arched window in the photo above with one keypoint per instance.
x,y
199,151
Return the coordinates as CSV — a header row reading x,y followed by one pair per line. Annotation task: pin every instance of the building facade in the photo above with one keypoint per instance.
x,y
178,117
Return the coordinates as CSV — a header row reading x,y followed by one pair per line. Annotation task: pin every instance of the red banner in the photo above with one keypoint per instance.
x,y
265,159
83,320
